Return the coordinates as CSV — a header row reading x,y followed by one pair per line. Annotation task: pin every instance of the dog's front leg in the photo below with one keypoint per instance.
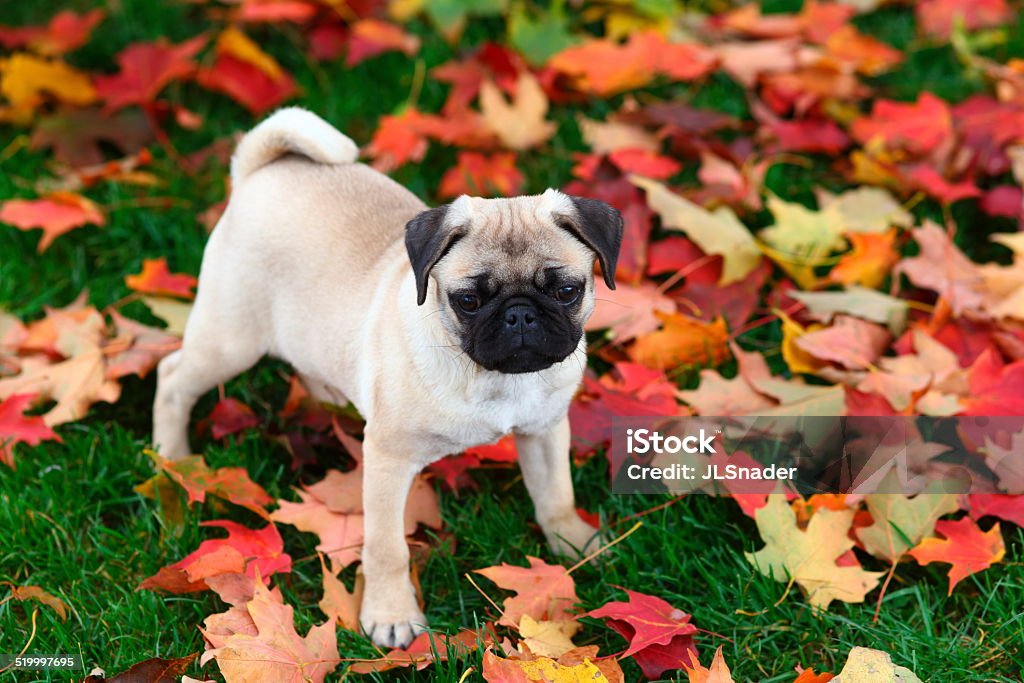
x,y
544,460
389,613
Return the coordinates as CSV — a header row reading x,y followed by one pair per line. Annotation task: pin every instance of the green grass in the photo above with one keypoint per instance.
x,y
71,522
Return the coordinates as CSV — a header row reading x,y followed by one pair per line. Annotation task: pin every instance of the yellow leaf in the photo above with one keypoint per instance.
x,y
550,671
404,10
802,238
235,43
74,384
796,358
901,522
519,124
715,232
26,79
873,666
174,313
548,638
872,168
808,556
865,210
604,137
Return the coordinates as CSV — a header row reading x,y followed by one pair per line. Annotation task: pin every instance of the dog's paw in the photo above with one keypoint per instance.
x,y
573,537
390,625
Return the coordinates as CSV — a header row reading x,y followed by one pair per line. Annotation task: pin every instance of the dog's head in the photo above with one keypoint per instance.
x,y
514,278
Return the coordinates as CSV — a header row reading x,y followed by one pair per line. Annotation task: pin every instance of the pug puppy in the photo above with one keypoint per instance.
x,y
447,327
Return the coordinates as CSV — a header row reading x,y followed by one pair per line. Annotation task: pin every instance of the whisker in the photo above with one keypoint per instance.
x,y
617,303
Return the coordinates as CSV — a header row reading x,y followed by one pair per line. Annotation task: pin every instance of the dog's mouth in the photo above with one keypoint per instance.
x,y
521,362
515,354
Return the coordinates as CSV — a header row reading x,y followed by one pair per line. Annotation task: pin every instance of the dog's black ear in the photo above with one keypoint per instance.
x,y
428,239
599,226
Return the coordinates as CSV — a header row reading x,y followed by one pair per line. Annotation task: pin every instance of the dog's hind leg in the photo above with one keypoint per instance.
x,y
214,351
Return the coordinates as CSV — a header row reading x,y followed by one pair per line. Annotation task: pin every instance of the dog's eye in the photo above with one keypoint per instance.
x,y
468,302
567,294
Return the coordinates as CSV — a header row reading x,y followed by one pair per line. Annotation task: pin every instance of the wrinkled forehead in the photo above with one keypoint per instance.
x,y
515,239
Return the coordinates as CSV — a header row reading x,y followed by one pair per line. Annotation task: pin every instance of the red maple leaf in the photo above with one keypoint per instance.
x,y
645,162
247,84
994,388
1007,507
660,636
919,127
16,427
399,139
925,177
277,11
817,136
254,552
482,175
146,68
452,469
630,389
489,61
229,416
988,127
1005,201
65,32
328,41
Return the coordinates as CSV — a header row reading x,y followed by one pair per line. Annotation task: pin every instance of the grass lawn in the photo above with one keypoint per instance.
x,y
71,522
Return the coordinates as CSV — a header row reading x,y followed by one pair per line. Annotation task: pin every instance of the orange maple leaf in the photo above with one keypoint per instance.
x,y
157,279
273,650
682,340
479,174
965,546
543,591
56,214
371,37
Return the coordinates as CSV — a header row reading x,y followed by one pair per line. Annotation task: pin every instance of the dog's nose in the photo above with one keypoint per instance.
x,y
521,317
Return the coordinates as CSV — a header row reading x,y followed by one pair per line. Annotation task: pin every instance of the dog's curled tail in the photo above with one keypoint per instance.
x,y
291,131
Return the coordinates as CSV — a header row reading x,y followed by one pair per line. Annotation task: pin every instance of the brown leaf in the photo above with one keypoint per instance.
x,y
75,135
153,670
22,593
